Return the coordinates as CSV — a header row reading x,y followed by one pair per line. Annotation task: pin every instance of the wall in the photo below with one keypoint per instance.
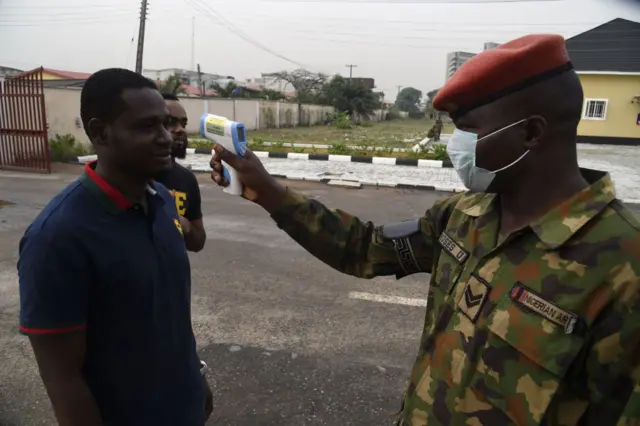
x,y
621,116
63,112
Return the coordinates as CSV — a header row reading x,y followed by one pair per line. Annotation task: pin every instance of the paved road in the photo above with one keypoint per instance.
x,y
287,344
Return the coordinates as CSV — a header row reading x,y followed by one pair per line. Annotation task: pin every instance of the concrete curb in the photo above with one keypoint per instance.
x,y
389,161
355,183
350,183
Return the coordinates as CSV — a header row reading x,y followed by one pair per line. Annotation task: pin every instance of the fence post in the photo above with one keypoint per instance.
x,y
277,114
257,115
234,110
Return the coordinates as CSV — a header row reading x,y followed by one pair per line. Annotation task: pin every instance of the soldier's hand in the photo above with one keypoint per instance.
x,y
258,185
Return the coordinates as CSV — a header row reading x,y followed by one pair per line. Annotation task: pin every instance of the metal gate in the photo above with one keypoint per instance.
x,y
23,123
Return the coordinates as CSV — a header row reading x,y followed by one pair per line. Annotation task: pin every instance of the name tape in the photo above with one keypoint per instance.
x,y
451,247
532,301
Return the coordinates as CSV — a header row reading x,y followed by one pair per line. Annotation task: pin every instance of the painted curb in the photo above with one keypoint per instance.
x,y
632,201
390,161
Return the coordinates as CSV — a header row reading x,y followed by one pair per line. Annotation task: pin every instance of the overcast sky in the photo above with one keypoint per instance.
x,y
396,42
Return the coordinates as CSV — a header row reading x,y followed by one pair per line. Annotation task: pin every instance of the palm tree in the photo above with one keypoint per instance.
x,y
172,85
225,91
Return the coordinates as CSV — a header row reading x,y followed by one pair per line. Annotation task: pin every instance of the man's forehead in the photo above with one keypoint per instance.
x,y
141,103
176,109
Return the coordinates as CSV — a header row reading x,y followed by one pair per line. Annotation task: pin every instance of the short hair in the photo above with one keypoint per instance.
x,y
170,97
101,93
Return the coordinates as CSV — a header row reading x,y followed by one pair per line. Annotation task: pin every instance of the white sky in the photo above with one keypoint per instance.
x,y
396,42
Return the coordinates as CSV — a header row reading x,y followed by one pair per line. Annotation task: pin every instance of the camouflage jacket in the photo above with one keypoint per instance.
x,y
541,328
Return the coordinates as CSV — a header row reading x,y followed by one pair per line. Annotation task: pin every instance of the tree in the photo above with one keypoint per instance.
x,y
306,83
432,94
225,91
272,95
352,98
408,100
172,85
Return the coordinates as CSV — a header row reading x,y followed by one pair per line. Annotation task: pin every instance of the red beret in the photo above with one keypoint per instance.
x,y
508,68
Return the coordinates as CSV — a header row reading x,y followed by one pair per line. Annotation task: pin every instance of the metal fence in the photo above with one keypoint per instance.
x,y
23,123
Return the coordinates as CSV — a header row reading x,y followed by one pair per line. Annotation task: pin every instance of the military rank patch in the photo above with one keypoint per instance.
x,y
474,296
536,304
177,223
451,247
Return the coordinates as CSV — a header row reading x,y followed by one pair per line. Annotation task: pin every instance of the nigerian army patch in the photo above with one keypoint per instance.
x,y
474,296
451,247
536,304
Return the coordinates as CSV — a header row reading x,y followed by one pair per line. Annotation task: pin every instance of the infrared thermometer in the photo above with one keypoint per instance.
x,y
233,137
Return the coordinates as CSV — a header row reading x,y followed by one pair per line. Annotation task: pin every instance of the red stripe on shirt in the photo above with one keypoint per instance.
x,y
52,330
116,196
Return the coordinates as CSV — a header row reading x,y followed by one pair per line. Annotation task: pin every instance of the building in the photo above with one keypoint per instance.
x,y
490,45
455,61
188,77
8,72
607,60
267,81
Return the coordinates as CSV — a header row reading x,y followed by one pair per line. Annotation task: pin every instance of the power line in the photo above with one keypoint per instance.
x,y
218,18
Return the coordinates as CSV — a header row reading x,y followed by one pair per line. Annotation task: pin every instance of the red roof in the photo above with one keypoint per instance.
x,y
195,91
70,75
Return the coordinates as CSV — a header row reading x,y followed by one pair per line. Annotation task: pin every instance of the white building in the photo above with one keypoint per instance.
x,y
188,77
456,59
267,81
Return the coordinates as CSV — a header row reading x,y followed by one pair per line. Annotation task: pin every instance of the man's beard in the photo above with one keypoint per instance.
x,y
179,150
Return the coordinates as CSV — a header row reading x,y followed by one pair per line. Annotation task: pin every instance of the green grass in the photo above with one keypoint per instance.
x,y
387,134
435,152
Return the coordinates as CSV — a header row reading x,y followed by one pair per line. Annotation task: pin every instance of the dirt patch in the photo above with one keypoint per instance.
x,y
5,203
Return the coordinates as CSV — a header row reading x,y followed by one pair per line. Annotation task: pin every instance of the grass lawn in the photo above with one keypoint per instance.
x,y
388,134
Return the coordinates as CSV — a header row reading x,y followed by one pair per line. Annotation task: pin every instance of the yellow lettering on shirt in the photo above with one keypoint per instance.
x,y
180,198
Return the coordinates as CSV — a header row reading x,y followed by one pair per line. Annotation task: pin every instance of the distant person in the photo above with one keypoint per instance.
x,y
533,313
180,181
105,287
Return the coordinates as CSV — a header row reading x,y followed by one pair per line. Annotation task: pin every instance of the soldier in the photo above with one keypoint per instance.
x,y
533,310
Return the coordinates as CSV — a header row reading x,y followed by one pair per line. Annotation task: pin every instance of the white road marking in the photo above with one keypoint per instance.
x,y
382,298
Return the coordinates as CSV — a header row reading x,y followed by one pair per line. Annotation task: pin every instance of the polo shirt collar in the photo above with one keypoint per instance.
x,y
112,199
559,224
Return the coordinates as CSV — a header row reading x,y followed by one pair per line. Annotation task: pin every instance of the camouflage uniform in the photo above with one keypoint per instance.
x,y
540,327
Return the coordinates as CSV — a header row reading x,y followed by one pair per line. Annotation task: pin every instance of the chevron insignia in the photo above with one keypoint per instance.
x,y
473,297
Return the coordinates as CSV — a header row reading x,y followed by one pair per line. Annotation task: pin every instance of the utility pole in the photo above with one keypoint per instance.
x,y
143,21
200,83
399,87
351,67
193,42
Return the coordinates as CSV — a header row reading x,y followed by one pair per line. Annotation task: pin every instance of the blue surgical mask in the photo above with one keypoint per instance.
x,y
462,153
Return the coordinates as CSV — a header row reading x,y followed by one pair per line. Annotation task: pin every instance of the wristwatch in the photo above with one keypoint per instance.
x,y
204,368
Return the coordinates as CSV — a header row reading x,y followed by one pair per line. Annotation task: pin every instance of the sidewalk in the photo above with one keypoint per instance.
x,y
621,161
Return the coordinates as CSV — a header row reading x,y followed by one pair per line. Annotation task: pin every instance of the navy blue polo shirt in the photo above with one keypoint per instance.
x,y
94,261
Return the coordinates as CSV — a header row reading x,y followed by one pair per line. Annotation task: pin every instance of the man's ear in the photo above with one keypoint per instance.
x,y
98,132
536,127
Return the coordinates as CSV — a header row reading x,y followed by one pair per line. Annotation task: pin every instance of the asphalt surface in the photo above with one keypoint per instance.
x,y
286,344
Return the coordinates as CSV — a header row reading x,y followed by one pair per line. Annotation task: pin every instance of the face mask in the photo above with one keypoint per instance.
x,y
462,152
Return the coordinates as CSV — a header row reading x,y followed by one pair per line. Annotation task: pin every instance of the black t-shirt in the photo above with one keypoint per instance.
x,y
183,186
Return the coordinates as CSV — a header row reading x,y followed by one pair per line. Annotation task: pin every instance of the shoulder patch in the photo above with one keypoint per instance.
x,y
533,302
453,248
404,229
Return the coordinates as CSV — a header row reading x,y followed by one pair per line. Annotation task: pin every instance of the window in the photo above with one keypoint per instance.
x,y
595,109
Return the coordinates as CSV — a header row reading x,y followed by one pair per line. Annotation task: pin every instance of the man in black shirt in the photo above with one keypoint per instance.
x,y
181,182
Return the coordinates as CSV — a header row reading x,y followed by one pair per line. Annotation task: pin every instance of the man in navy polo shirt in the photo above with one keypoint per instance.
x,y
105,277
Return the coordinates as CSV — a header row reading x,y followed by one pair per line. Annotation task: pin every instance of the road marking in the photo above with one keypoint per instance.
x,y
382,298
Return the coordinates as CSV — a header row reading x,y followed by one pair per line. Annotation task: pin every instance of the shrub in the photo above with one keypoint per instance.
x,y
67,148
342,121
339,149
393,114
440,152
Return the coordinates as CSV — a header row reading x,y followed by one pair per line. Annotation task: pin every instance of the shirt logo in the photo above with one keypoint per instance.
x,y
453,248
181,201
474,297
536,304
177,223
